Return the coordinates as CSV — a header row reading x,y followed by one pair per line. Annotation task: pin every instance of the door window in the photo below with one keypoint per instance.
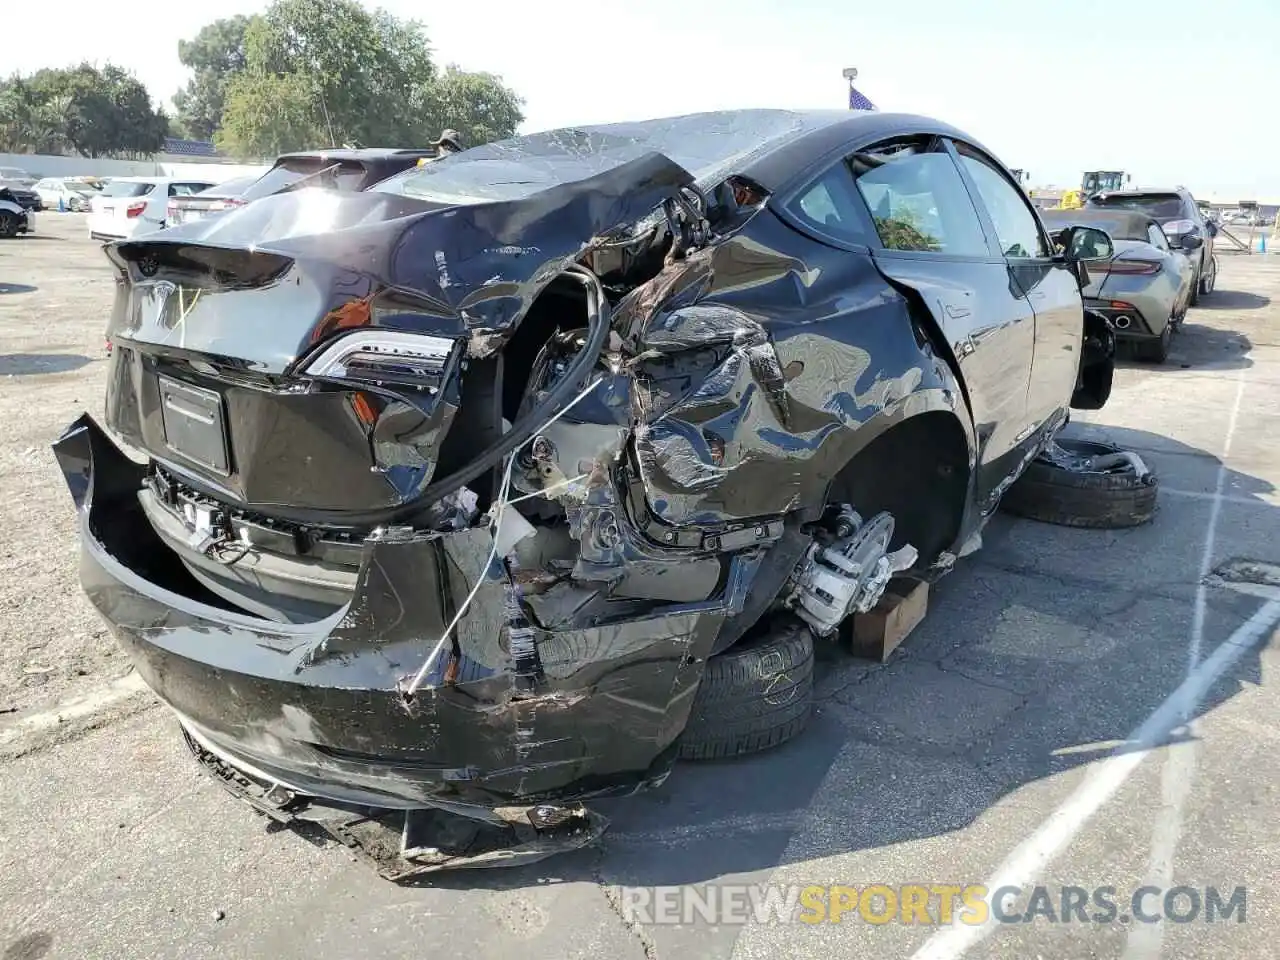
x,y
1011,215
917,199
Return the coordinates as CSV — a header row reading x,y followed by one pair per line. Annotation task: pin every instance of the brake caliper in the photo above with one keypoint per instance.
x,y
846,570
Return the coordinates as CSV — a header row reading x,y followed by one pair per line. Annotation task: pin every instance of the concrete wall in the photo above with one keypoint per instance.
x,y
42,166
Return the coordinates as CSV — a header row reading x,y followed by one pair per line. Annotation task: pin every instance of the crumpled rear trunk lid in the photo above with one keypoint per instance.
x,y
217,323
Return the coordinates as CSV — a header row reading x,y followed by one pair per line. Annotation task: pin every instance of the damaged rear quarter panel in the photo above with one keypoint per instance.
x,y
798,356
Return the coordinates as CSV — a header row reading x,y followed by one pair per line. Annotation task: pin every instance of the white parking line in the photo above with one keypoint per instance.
x,y
1224,498
1144,941
111,694
1102,781
1105,778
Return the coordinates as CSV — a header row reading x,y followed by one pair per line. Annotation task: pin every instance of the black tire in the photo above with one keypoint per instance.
x,y
1098,500
756,695
1155,350
8,224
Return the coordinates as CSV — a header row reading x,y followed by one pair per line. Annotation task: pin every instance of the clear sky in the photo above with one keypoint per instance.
x,y
1173,91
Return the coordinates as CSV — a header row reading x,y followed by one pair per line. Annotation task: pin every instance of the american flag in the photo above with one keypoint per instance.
x,y
857,101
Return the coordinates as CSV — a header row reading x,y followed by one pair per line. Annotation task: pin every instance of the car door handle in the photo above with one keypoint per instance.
x,y
1036,294
958,313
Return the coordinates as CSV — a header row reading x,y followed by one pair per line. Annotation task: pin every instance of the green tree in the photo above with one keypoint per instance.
x,y
215,57
268,115
478,105
95,112
368,72
352,76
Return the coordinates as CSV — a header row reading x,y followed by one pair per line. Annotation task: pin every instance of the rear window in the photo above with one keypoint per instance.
x,y
1120,228
345,176
1158,206
122,188
229,188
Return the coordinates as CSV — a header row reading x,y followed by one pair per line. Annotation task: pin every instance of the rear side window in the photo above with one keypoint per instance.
x,y
830,205
186,189
127,188
1156,237
1015,225
336,175
917,199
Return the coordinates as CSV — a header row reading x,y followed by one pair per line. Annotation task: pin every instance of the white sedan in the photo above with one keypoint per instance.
x,y
131,205
73,194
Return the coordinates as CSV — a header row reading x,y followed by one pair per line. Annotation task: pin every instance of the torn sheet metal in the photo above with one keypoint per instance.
x,y
592,707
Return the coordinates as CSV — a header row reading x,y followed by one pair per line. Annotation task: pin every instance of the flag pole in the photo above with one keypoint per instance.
x,y
850,74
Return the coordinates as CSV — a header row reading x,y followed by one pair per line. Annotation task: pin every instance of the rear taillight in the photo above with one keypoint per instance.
x,y
1133,267
411,359
135,209
1175,228
171,211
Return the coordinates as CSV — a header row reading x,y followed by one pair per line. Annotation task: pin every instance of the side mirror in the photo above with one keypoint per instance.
x,y
1213,228
1080,245
1088,243
1191,242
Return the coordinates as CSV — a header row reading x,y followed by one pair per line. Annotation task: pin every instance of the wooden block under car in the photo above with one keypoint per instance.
x,y
876,634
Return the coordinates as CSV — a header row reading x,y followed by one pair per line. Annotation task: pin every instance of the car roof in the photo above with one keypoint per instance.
x,y
772,147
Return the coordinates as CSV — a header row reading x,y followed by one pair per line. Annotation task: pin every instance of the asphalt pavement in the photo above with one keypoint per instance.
x,y
1079,709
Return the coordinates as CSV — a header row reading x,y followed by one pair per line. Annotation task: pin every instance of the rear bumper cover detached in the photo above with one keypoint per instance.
x,y
318,708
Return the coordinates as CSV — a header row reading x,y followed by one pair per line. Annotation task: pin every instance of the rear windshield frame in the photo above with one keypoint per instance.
x,y
350,176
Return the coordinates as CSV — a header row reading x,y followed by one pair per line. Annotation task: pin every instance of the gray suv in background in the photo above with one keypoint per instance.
x,y
1183,223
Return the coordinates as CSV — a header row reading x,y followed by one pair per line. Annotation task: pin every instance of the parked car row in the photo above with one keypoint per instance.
x,y
130,206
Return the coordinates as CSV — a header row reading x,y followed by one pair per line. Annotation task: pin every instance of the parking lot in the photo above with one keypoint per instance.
x,y
1005,742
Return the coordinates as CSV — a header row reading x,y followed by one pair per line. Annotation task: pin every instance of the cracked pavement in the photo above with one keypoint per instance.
x,y
1039,654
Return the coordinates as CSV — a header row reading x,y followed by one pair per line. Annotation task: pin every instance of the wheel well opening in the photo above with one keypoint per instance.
x,y
918,471
493,387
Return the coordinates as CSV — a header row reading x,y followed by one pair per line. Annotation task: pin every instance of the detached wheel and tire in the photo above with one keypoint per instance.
x,y
1105,490
756,695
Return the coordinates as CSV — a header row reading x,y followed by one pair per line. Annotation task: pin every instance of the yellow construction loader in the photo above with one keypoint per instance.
x,y
1093,181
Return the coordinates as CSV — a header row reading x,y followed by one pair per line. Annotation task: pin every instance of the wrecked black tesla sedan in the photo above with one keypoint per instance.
x,y
451,497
